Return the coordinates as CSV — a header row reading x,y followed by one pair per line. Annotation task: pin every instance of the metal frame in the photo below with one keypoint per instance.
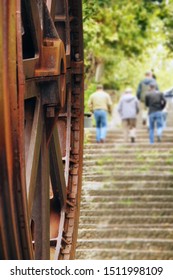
x,y
41,120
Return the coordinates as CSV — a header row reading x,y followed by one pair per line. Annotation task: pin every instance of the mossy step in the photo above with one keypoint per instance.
x,y
114,254
128,199
125,233
116,132
89,226
140,141
130,150
127,220
125,176
126,243
127,212
141,170
124,203
133,184
147,146
113,130
119,167
139,135
127,163
106,156
127,192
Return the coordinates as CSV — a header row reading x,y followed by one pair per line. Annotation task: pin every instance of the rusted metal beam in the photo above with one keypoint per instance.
x,y
33,153
39,42
57,170
41,206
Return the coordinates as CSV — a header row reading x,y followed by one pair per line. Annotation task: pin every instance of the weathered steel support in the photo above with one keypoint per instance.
x,y
41,123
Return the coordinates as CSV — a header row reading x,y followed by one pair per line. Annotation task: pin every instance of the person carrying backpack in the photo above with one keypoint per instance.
x,y
142,90
156,102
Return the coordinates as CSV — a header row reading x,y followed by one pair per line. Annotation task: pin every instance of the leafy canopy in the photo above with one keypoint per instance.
x,y
125,37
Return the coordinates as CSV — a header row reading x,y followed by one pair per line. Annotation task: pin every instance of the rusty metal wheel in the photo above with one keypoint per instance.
x,y
41,122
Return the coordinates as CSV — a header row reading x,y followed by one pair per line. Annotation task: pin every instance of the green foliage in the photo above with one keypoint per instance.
x,y
128,38
89,90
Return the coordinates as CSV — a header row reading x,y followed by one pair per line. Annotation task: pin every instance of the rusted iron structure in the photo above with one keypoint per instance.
x,y
41,124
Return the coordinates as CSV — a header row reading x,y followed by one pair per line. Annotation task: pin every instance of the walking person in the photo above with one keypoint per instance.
x,y
142,90
128,108
156,102
100,104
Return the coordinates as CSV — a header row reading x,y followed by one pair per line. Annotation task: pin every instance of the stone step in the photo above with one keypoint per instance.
x,y
127,244
127,160
142,169
138,142
126,209
92,169
166,184
90,226
127,212
128,176
95,163
141,140
107,155
126,204
139,135
130,151
114,254
124,232
129,199
128,192
119,132
137,147
112,131
123,220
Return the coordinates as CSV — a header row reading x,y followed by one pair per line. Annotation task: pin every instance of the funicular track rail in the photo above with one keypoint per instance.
x,y
41,123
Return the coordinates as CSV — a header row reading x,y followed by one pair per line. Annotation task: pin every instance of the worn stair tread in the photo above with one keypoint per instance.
x,y
113,226
124,232
126,240
126,204
127,189
126,243
123,254
127,176
131,211
97,185
127,198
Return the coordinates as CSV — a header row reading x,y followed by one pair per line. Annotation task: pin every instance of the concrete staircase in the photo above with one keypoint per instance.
x,y
127,198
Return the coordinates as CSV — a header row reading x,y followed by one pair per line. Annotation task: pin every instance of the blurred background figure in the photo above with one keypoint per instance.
x,y
142,90
153,74
100,104
128,108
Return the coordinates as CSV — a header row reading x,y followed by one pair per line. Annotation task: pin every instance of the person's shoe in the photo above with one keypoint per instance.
x,y
102,140
132,140
158,139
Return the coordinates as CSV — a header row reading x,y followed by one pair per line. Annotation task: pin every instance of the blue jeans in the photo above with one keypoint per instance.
x,y
165,114
101,124
155,118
